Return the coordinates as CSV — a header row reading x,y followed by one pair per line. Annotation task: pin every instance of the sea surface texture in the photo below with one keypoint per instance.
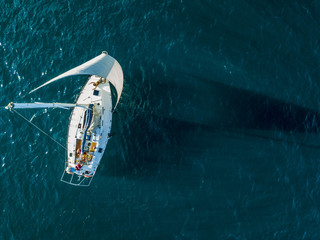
x,y
216,135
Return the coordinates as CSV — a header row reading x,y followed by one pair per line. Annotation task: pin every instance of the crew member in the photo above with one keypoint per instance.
x,y
95,84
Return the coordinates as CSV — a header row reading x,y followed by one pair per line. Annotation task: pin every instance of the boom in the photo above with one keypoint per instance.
x,y
42,105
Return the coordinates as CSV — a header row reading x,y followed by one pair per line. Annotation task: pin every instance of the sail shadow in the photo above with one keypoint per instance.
x,y
248,110
209,103
145,153
151,134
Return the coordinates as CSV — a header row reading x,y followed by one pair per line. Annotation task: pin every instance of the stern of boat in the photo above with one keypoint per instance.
x,y
75,179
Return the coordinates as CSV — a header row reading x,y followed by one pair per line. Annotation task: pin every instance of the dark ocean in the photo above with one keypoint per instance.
x,y
216,136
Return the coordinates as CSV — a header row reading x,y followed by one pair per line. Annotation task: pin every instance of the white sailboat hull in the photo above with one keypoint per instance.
x,y
95,145
91,118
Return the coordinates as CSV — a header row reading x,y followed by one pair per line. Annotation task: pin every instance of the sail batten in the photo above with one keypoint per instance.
x,y
103,66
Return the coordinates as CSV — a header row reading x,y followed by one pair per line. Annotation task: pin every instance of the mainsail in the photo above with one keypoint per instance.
x,y
103,66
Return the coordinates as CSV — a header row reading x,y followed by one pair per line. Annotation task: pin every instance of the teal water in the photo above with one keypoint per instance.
x,y
216,134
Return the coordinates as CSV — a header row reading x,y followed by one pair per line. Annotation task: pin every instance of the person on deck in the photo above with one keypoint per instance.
x,y
84,156
95,84
78,166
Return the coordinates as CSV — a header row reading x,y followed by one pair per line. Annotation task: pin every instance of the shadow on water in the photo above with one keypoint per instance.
x,y
244,109
210,104
155,134
214,148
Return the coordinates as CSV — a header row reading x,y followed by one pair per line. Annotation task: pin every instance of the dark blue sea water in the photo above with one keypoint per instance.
x,y
216,134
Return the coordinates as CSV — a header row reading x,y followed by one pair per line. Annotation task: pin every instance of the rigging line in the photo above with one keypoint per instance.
x,y
38,128
24,95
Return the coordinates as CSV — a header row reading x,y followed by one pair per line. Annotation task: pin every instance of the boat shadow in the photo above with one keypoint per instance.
x,y
149,137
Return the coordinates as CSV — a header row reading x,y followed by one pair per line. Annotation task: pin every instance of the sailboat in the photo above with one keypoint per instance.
x,y
91,118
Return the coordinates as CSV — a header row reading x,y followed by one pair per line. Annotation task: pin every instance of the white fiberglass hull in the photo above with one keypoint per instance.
x,y
91,119
84,155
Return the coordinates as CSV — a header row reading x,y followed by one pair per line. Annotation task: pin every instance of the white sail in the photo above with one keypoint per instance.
x,y
115,76
103,66
41,105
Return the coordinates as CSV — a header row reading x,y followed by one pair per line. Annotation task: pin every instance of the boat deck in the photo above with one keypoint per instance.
x,y
98,134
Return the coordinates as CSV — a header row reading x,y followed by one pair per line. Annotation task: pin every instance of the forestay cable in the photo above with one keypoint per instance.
x,y
38,129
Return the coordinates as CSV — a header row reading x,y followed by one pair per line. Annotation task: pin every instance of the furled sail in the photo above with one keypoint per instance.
x,y
103,66
41,105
